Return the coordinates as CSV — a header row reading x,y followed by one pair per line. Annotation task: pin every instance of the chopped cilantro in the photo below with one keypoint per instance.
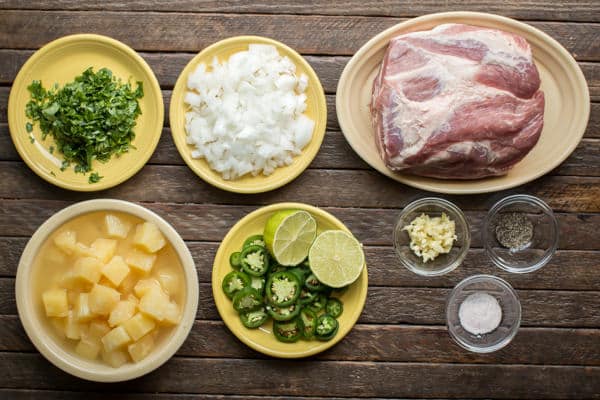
x,y
91,118
52,173
51,149
94,177
31,139
28,127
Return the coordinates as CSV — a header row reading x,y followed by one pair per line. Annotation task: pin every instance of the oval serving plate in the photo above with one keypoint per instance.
x,y
565,116
262,339
60,61
316,110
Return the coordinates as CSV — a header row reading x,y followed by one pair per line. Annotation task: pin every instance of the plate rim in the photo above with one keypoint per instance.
x,y
231,186
431,184
57,43
216,285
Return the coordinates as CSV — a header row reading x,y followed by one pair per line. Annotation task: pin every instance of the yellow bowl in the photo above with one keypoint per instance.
x,y
316,110
60,62
262,339
32,317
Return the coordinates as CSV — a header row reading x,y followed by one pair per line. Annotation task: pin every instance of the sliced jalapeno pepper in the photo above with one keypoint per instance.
x,y
283,313
246,300
309,322
258,283
334,307
255,260
287,331
319,303
234,282
254,240
313,284
283,288
306,296
254,319
327,327
300,273
235,260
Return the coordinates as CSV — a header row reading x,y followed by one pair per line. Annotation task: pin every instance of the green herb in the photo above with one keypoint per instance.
x,y
91,118
51,149
28,127
52,173
94,177
31,139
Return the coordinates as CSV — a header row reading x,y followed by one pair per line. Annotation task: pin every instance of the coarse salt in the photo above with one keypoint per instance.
x,y
480,313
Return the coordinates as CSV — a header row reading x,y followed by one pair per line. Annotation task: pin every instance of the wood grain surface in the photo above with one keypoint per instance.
x,y
400,347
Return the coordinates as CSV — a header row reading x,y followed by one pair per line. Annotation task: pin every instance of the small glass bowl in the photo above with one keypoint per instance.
x,y
535,253
444,263
511,313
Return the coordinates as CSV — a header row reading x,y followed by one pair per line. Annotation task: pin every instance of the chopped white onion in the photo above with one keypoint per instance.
x,y
246,113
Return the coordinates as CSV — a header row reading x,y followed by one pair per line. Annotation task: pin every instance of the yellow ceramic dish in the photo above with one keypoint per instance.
x,y
565,117
60,62
316,110
262,339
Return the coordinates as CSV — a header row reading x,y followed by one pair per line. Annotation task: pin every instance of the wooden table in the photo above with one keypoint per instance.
x,y
400,346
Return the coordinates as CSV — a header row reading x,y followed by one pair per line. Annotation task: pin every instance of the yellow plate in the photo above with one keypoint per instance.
x,y
316,110
565,118
60,62
262,339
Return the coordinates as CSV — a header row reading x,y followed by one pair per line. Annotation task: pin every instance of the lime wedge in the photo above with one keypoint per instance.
x,y
289,234
336,258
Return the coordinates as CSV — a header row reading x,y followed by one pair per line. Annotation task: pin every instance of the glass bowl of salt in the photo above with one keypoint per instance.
x,y
483,313
520,233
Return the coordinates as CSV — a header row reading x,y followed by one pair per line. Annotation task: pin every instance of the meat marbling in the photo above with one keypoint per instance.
x,y
456,102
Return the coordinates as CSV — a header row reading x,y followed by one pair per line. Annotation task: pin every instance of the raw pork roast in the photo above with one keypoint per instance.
x,y
457,102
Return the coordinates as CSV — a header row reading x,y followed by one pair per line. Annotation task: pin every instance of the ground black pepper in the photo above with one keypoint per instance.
x,y
514,230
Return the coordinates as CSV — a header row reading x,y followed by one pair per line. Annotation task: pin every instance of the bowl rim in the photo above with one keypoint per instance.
x,y
500,282
55,352
462,220
514,199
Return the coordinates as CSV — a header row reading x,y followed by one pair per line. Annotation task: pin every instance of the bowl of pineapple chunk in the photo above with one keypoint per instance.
x,y
106,290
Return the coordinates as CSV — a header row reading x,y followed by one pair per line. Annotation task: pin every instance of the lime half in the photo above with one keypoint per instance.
x,y
289,234
336,258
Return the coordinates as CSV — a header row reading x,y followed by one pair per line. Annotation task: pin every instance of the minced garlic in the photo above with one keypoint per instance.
x,y
430,237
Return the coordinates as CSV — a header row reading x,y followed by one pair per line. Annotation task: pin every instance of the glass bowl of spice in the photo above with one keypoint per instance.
x,y
431,236
520,233
483,313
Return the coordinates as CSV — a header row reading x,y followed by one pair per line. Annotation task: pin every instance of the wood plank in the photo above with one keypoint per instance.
x,y
168,66
567,270
201,222
562,193
337,35
213,376
392,305
569,10
381,343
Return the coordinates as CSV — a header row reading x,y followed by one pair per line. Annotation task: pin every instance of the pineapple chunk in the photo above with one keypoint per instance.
x,y
66,241
144,286
115,358
122,312
72,327
96,330
55,257
59,325
132,299
140,261
148,237
86,271
88,349
72,297
154,303
82,308
103,299
103,249
115,339
169,282
116,270
127,285
56,302
116,227
140,349
81,250
138,326
172,315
